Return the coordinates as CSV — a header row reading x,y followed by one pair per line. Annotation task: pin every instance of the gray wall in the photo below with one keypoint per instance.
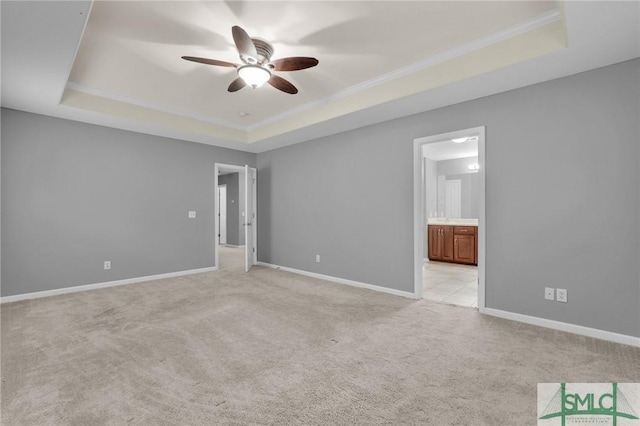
x,y
75,195
571,221
235,207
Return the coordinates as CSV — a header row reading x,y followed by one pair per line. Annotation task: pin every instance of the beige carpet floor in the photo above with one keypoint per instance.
x,y
270,347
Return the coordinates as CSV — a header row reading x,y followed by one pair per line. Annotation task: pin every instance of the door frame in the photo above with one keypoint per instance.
x,y
419,211
241,170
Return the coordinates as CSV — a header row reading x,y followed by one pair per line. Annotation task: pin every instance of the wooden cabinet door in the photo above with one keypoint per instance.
x,y
435,243
447,243
464,249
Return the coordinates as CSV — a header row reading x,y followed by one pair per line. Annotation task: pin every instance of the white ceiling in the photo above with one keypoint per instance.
x,y
121,67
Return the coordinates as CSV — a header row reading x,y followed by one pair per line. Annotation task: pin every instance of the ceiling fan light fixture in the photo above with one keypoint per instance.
x,y
254,75
258,67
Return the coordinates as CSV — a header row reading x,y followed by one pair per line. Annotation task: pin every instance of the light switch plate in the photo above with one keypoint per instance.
x,y
192,214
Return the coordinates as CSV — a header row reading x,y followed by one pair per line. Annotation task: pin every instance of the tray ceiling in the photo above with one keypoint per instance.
x,y
131,53
118,63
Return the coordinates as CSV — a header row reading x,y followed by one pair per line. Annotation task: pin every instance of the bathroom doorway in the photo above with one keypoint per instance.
x,y
449,224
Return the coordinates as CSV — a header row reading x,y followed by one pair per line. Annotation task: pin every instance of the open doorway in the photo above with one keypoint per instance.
x,y
236,217
449,219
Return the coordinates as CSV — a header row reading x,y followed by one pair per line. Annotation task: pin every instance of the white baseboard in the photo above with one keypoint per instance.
x,y
341,280
233,245
65,290
563,326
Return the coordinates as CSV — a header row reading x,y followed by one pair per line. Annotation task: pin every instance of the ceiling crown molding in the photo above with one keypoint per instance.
x,y
150,105
539,21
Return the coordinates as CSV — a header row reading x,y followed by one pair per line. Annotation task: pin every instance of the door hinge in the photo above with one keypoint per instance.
x,y
254,249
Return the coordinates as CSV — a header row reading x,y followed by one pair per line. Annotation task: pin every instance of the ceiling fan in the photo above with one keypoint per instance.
x,y
257,67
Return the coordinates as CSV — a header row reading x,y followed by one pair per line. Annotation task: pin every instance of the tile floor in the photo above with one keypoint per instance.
x,y
450,283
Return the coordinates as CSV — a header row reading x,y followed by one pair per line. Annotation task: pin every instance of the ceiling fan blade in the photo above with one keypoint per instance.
x,y
236,85
209,61
245,45
293,64
282,84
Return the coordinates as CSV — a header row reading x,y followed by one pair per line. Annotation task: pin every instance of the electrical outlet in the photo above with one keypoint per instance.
x,y
192,214
549,293
561,295
107,264
317,258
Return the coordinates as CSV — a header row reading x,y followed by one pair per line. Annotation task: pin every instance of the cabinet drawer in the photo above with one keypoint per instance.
x,y
464,230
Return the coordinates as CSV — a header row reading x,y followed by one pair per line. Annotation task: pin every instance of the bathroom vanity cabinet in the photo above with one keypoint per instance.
x,y
451,243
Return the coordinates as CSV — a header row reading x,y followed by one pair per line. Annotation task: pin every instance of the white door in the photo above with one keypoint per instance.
x,y
222,214
453,198
250,234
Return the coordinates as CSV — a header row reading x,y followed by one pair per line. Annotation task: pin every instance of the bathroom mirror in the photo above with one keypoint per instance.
x,y
451,178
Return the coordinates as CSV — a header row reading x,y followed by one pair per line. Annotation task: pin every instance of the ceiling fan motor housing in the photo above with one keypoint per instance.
x,y
264,49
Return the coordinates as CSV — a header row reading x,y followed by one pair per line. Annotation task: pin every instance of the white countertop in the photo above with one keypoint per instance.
x,y
452,222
